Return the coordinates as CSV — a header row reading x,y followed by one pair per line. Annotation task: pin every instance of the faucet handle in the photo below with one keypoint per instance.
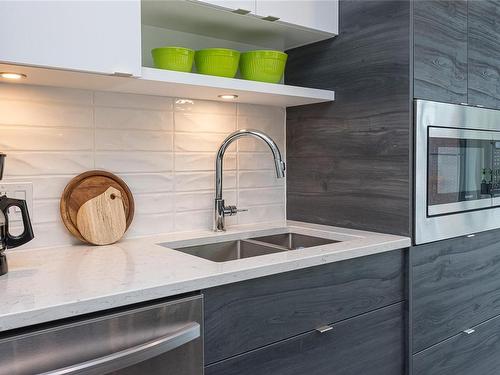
x,y
232,210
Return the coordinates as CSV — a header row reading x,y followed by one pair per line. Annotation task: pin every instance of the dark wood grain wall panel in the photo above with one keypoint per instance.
x,y
484,53
348,161
440,50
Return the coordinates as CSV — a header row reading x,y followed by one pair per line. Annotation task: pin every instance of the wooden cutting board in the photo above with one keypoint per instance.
x,y
101,220
87,186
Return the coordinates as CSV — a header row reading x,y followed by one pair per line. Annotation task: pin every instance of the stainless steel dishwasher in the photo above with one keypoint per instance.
x,y
162,338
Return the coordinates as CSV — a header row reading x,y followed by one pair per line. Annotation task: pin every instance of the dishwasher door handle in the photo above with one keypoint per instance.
x,y
131,356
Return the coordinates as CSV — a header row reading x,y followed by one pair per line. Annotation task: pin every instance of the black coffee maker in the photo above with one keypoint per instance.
x,y
7,240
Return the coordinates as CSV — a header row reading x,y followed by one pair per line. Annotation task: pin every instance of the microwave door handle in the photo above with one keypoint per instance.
x,y
131,356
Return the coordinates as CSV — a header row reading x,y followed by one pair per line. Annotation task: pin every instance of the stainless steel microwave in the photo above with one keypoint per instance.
x,y
457,170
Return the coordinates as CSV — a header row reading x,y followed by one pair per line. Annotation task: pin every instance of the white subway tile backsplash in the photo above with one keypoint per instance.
x,y
202,161
123,161
133,140
193,181
18,112
193,220
204,122
45,163
251,179
254,197
154,203
273,128
163,148
44,187
128,118
262,214
45,94
204,106
113,99
45,211
45,138
197,220
51,234
199,142
149,182
200,200
150,224
261,111
255,160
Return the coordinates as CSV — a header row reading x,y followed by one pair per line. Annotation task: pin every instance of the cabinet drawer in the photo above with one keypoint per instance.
x,y
455,284
463,354
369,344
250,314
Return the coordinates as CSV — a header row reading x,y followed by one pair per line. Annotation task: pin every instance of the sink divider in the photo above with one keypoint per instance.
x,y
266,244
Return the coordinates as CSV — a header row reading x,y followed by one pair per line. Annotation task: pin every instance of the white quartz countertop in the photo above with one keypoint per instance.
x,y
54,283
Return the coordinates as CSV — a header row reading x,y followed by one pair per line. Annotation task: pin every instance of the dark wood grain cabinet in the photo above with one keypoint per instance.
x,y
457,51
440,50
455,285
247,315
369,344
484,53
472,353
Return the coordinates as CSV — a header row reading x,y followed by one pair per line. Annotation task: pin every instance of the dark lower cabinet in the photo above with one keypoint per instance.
x,y
247,315
484,52
369,344
455,284
476,353
440,50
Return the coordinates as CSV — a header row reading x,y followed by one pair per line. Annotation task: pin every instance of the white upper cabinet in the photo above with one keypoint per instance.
x,y
96,36
236,6
314,14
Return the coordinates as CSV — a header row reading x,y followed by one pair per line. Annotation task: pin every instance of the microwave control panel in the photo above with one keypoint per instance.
x,y
490,182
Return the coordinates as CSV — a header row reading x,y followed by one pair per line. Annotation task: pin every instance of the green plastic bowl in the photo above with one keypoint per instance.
x,y
173,58
263,66
217,62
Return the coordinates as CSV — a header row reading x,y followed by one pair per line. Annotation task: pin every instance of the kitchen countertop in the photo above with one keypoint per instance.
x,y
54,283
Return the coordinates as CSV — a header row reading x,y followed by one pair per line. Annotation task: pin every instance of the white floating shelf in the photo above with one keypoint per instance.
x,y
176,84
199,86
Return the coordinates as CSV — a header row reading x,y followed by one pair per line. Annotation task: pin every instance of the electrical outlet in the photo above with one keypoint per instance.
x,y
18,190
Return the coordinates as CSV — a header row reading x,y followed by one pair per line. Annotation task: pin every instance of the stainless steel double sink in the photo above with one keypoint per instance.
x,y
251,247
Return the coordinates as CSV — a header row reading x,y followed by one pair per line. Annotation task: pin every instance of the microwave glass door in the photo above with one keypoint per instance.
x,y
460,174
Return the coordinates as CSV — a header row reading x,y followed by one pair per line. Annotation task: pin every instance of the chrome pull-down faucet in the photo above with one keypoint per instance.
x,y
221,210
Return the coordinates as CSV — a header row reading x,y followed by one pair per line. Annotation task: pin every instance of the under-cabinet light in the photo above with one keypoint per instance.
x,y
228,96
12,75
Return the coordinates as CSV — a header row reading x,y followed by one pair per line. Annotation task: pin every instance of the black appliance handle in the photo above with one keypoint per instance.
x,y
27,235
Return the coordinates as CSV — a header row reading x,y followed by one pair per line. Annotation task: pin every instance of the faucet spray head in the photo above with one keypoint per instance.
x,y
280,168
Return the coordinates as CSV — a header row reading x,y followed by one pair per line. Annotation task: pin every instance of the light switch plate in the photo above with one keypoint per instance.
x,y
18,190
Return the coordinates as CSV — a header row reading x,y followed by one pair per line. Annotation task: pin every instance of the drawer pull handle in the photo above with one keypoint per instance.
x,y
122,74
469,331
241,11
324,329
131,356
270,18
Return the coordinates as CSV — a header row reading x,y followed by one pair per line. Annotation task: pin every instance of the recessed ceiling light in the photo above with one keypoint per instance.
x,y
228,96
11,75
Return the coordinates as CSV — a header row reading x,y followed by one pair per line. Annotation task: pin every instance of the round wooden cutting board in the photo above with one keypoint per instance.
x,y
87,186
